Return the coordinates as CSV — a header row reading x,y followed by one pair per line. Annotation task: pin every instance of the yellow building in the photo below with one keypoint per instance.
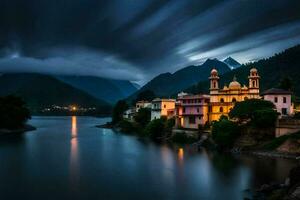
x,y
223,100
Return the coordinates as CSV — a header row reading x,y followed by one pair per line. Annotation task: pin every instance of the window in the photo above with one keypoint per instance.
x,y
253,84
221,109
183,110
200,117
165,106
233,100
275,99
284,111
214,84
192,120
198,110
284,99
222,100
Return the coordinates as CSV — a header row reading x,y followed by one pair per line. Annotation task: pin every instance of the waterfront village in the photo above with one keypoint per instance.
x,y
193,111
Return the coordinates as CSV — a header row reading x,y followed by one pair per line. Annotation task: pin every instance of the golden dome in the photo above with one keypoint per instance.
x,y
253,70
234,84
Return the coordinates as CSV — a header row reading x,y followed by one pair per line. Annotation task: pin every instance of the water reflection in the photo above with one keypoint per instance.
x,y
74,164
180,155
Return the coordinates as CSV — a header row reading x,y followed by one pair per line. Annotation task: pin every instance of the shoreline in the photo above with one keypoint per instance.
x,y
258,153
24,129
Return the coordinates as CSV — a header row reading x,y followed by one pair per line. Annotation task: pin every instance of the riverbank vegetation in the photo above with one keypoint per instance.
x,y
250,123
13,113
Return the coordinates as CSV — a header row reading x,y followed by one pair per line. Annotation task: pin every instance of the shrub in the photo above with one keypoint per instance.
x,y
225,132
126,126
156,128
143,116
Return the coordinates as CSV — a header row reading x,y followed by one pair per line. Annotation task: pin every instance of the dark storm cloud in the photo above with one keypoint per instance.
x,y
137,39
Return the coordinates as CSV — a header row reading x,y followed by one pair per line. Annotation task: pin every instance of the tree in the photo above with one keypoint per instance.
x,y
156,128
225,132
118,110
245,110
286,83
146,95
265,118
143,116
13,112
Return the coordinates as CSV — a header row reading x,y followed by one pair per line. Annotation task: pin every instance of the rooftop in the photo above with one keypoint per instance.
x,y
276,91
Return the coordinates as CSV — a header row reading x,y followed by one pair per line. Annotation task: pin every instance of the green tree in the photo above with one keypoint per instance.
x,y
13,112
245,110
225,132
118,110
143,116
286,83
156,128
265,118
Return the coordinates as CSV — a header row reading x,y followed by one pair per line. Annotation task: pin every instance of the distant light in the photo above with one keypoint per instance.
x,y
74,108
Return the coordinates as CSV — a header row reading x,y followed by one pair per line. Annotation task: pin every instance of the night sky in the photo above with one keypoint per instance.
x,y
138,39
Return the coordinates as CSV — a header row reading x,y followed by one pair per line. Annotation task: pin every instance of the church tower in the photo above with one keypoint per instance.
x,y
214,85
253,83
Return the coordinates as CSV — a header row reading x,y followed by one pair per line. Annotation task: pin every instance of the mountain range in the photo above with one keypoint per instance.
x,y
101,88
271,70
43,91
232,63
194,79
167,84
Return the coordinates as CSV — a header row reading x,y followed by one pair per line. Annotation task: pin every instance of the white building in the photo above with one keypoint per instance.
x,y
162,107
282,99
142,104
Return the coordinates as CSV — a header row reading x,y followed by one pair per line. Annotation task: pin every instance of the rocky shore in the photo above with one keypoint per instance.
x,y
289,190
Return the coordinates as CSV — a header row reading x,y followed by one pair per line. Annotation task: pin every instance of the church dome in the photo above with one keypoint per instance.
x,y
234,84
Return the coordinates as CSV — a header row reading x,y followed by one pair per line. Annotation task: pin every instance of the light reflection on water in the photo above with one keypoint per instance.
x,y
68,158
74,164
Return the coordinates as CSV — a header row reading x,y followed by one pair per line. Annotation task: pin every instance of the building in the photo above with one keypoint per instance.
x,y
142,104
192,111
223,99
282,99
162,108
129,114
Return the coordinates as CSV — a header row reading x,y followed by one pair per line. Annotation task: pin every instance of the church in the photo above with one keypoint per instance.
x,y
222,100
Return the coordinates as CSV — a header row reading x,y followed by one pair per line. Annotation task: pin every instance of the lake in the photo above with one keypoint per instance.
x,y
69,158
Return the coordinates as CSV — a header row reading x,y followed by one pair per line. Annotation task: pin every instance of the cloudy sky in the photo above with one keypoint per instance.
x,y
138,39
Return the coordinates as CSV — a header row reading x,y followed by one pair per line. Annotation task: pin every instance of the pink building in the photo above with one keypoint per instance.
x,y
192,111
282,99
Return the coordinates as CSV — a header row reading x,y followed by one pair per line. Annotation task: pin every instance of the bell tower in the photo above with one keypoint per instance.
x,y
253,83
214,81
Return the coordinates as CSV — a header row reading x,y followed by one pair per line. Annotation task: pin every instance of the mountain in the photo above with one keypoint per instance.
x,y
40,91
101,88
271,70
137,86
232,63
167,84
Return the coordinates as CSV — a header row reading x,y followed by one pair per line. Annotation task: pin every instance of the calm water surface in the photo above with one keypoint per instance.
x,y
68,158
